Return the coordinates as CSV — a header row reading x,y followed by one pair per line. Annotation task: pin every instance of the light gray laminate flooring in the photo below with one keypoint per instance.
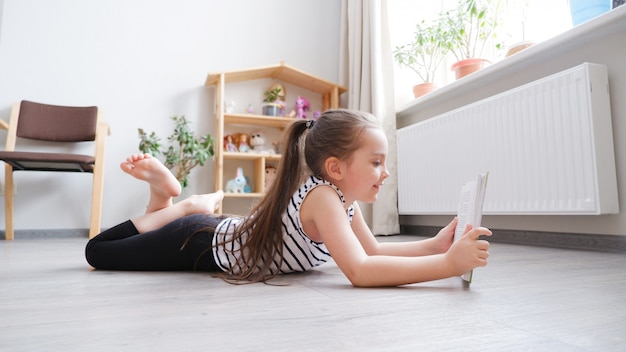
x,y
526,299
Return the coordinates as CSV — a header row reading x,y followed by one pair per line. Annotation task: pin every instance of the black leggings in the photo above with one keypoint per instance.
x,y
184,244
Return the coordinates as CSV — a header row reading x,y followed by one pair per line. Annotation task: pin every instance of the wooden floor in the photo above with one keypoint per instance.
x,y
527,299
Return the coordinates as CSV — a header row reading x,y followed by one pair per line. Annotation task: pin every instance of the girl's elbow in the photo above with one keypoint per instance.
x,y
360,279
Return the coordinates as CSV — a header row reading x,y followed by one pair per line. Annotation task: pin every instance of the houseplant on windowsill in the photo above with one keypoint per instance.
x,y
185,153
425,53
473,26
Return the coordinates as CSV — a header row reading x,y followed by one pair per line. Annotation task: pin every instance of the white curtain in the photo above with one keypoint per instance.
x,y
366,69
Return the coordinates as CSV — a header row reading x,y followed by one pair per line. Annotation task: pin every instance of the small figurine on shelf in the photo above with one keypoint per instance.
x,y
247,188
250,109
302,106
317,114
237,184
229,144
276,146
229,106
242,145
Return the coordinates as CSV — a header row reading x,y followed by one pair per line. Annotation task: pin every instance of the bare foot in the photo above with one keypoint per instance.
x,y
203,203
163,185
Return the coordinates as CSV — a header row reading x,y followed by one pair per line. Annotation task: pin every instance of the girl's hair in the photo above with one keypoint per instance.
x,y
337,133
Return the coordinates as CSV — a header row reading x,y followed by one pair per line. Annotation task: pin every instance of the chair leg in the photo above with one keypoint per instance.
x,y
96,201
8,202
102,132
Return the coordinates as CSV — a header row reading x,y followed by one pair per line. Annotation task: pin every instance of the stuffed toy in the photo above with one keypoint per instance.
x,y
257,142
270,175
237,184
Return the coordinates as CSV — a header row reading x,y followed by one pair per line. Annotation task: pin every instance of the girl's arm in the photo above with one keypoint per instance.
x,y
364,269
434,245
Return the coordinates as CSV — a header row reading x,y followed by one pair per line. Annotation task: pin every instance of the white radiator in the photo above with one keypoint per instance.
x,y
547,145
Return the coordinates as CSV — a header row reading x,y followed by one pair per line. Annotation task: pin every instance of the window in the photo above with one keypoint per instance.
x,y
523,20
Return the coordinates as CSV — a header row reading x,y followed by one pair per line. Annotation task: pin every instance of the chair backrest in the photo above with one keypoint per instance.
x,y
57,123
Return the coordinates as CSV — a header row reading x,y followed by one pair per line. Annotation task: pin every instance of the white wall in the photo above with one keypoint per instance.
x,y
142,61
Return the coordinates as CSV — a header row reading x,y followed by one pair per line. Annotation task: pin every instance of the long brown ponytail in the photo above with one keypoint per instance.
x,y
335,133
265,226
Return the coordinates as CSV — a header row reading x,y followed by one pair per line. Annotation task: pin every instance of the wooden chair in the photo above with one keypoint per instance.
x,y
62,124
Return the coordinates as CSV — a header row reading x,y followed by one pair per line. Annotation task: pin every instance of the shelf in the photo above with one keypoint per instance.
x,y
251,156
259,120
256,163
281,72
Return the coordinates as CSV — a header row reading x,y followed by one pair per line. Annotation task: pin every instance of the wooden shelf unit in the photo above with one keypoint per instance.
x,y
328,91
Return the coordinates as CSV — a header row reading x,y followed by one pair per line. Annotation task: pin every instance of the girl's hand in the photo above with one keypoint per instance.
x,y
468,252
443,240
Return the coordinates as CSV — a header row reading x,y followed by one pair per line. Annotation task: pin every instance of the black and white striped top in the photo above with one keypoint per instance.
x,y
300,253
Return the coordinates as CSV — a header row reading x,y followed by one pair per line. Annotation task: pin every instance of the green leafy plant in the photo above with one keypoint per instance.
x,y
472,25
185,152
427,51
271,95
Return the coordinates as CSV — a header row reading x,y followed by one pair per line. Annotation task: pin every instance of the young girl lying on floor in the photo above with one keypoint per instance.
x,y
308,215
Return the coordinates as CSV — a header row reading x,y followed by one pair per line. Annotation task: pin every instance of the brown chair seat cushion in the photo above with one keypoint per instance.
x,y
36,161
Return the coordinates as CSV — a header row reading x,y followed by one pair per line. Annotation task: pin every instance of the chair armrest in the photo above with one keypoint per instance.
x,y
102,128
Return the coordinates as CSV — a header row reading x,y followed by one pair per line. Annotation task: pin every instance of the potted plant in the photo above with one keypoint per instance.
x,y
425,53
184,154
473,25
274,105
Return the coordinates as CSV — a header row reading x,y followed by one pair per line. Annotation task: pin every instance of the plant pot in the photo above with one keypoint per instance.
x,y
516,48
465,67
423,88
271,110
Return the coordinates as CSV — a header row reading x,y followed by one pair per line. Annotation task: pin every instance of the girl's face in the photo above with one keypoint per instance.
x,y
366,170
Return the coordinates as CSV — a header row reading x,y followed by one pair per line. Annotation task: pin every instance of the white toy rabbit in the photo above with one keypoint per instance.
x,y
237,184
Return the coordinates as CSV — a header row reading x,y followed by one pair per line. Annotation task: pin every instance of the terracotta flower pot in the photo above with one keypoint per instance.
x,y
465,67
516,48
423,88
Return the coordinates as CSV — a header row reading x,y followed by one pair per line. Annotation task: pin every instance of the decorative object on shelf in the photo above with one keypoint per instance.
x,y
257,142
247,188
250,109
242,142
189,152
425,53
270,175
317,114
274,105
473,25
229,106
302,106
237,184
229,144
276,145
282,91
